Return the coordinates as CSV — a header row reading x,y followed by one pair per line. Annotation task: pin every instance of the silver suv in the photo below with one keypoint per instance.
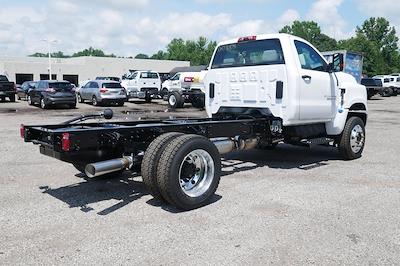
x,y
102,92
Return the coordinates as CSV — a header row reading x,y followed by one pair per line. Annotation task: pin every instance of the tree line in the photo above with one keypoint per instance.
x,y
376,39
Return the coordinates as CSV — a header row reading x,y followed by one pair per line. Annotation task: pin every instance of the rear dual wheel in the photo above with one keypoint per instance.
x,y
187,171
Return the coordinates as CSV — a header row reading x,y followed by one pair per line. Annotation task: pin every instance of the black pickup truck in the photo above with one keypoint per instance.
x,y
373,86
7,89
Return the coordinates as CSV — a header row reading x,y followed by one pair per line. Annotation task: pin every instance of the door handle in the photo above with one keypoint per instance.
x,y
306,77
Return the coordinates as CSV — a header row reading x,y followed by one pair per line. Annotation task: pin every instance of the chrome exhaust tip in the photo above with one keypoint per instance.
x,y
109,166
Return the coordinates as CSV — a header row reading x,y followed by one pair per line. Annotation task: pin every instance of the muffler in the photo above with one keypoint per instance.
x,y
106,167
226,145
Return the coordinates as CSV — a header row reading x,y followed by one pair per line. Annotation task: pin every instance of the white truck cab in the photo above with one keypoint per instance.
x,y
287,77
142,84
183,80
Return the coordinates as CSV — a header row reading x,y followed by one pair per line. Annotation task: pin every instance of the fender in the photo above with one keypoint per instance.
x,y
354,94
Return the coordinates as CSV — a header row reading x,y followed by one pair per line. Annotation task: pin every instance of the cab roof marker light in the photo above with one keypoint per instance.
x,y
247,38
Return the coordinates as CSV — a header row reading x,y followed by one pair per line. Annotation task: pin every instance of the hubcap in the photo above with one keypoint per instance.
x,y
196,173
357,138
94,101
29,100
42,103
172,100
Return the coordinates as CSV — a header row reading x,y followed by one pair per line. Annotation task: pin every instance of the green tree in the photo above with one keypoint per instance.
x,y
311,31
92,52
374,63
160,55
379,32
142,56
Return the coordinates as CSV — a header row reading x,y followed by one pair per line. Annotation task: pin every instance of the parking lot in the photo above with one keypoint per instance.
x,y
290,206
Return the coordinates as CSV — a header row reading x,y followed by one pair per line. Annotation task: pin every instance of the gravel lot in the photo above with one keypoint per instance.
x,y
289,206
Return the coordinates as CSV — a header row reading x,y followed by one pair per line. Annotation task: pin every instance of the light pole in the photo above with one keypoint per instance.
x,y
49,42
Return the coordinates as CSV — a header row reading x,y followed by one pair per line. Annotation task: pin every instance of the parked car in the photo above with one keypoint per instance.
x,y
102,92
51,93
142,84
22,92
7,89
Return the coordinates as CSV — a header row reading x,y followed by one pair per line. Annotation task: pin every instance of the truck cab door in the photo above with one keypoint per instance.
x,y
317,86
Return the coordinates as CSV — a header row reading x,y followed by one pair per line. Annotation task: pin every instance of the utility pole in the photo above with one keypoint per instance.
x,y
49,42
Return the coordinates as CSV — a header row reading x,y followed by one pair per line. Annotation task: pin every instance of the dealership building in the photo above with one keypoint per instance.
x,y
78,69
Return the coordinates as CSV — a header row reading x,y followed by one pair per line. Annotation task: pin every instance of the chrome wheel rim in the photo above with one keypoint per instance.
x,y
29,100
172,100
196,173
357,138
42,104
94,101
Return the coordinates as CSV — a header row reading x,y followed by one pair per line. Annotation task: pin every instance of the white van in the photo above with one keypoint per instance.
x,y
142,84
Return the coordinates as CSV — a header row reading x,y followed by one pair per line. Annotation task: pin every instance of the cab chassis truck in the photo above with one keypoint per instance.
x,y
260,90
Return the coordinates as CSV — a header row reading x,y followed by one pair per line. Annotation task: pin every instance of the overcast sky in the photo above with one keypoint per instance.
x,y
129,27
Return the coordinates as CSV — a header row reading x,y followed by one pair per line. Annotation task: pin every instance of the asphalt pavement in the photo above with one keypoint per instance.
x,y
290,206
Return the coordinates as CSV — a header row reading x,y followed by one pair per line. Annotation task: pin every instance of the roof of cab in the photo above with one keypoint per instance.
x,y
263,37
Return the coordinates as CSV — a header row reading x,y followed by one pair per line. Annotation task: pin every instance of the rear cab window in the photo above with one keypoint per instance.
x,y
3,78
149,75
249,53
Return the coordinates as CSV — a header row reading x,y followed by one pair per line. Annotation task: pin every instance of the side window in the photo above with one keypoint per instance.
x,y
41,85
134,75
95,85
176,77
309,58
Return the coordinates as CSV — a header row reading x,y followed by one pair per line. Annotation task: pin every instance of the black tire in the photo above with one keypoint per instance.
x,y
268,147
175,100
347,151
72,106
79,98
29,99
150,162
173,158
42,103
164,92
81,168
12,98
147,99
198,103
120,103
95,102
2,99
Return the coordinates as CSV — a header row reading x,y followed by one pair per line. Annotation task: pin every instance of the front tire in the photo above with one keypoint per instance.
x,y
189,171
12,98
79,97
43,104
352,140
30,100
95,101
175,100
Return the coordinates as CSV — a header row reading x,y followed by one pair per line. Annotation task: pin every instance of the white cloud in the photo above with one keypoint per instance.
x,y
249,27
288,17
326,13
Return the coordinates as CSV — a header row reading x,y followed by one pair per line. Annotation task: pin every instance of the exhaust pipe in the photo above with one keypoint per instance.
x,y
106,167
228,145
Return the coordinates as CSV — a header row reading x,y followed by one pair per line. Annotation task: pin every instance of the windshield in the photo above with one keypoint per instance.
x,y
149,75
112,85
3,78
253,53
